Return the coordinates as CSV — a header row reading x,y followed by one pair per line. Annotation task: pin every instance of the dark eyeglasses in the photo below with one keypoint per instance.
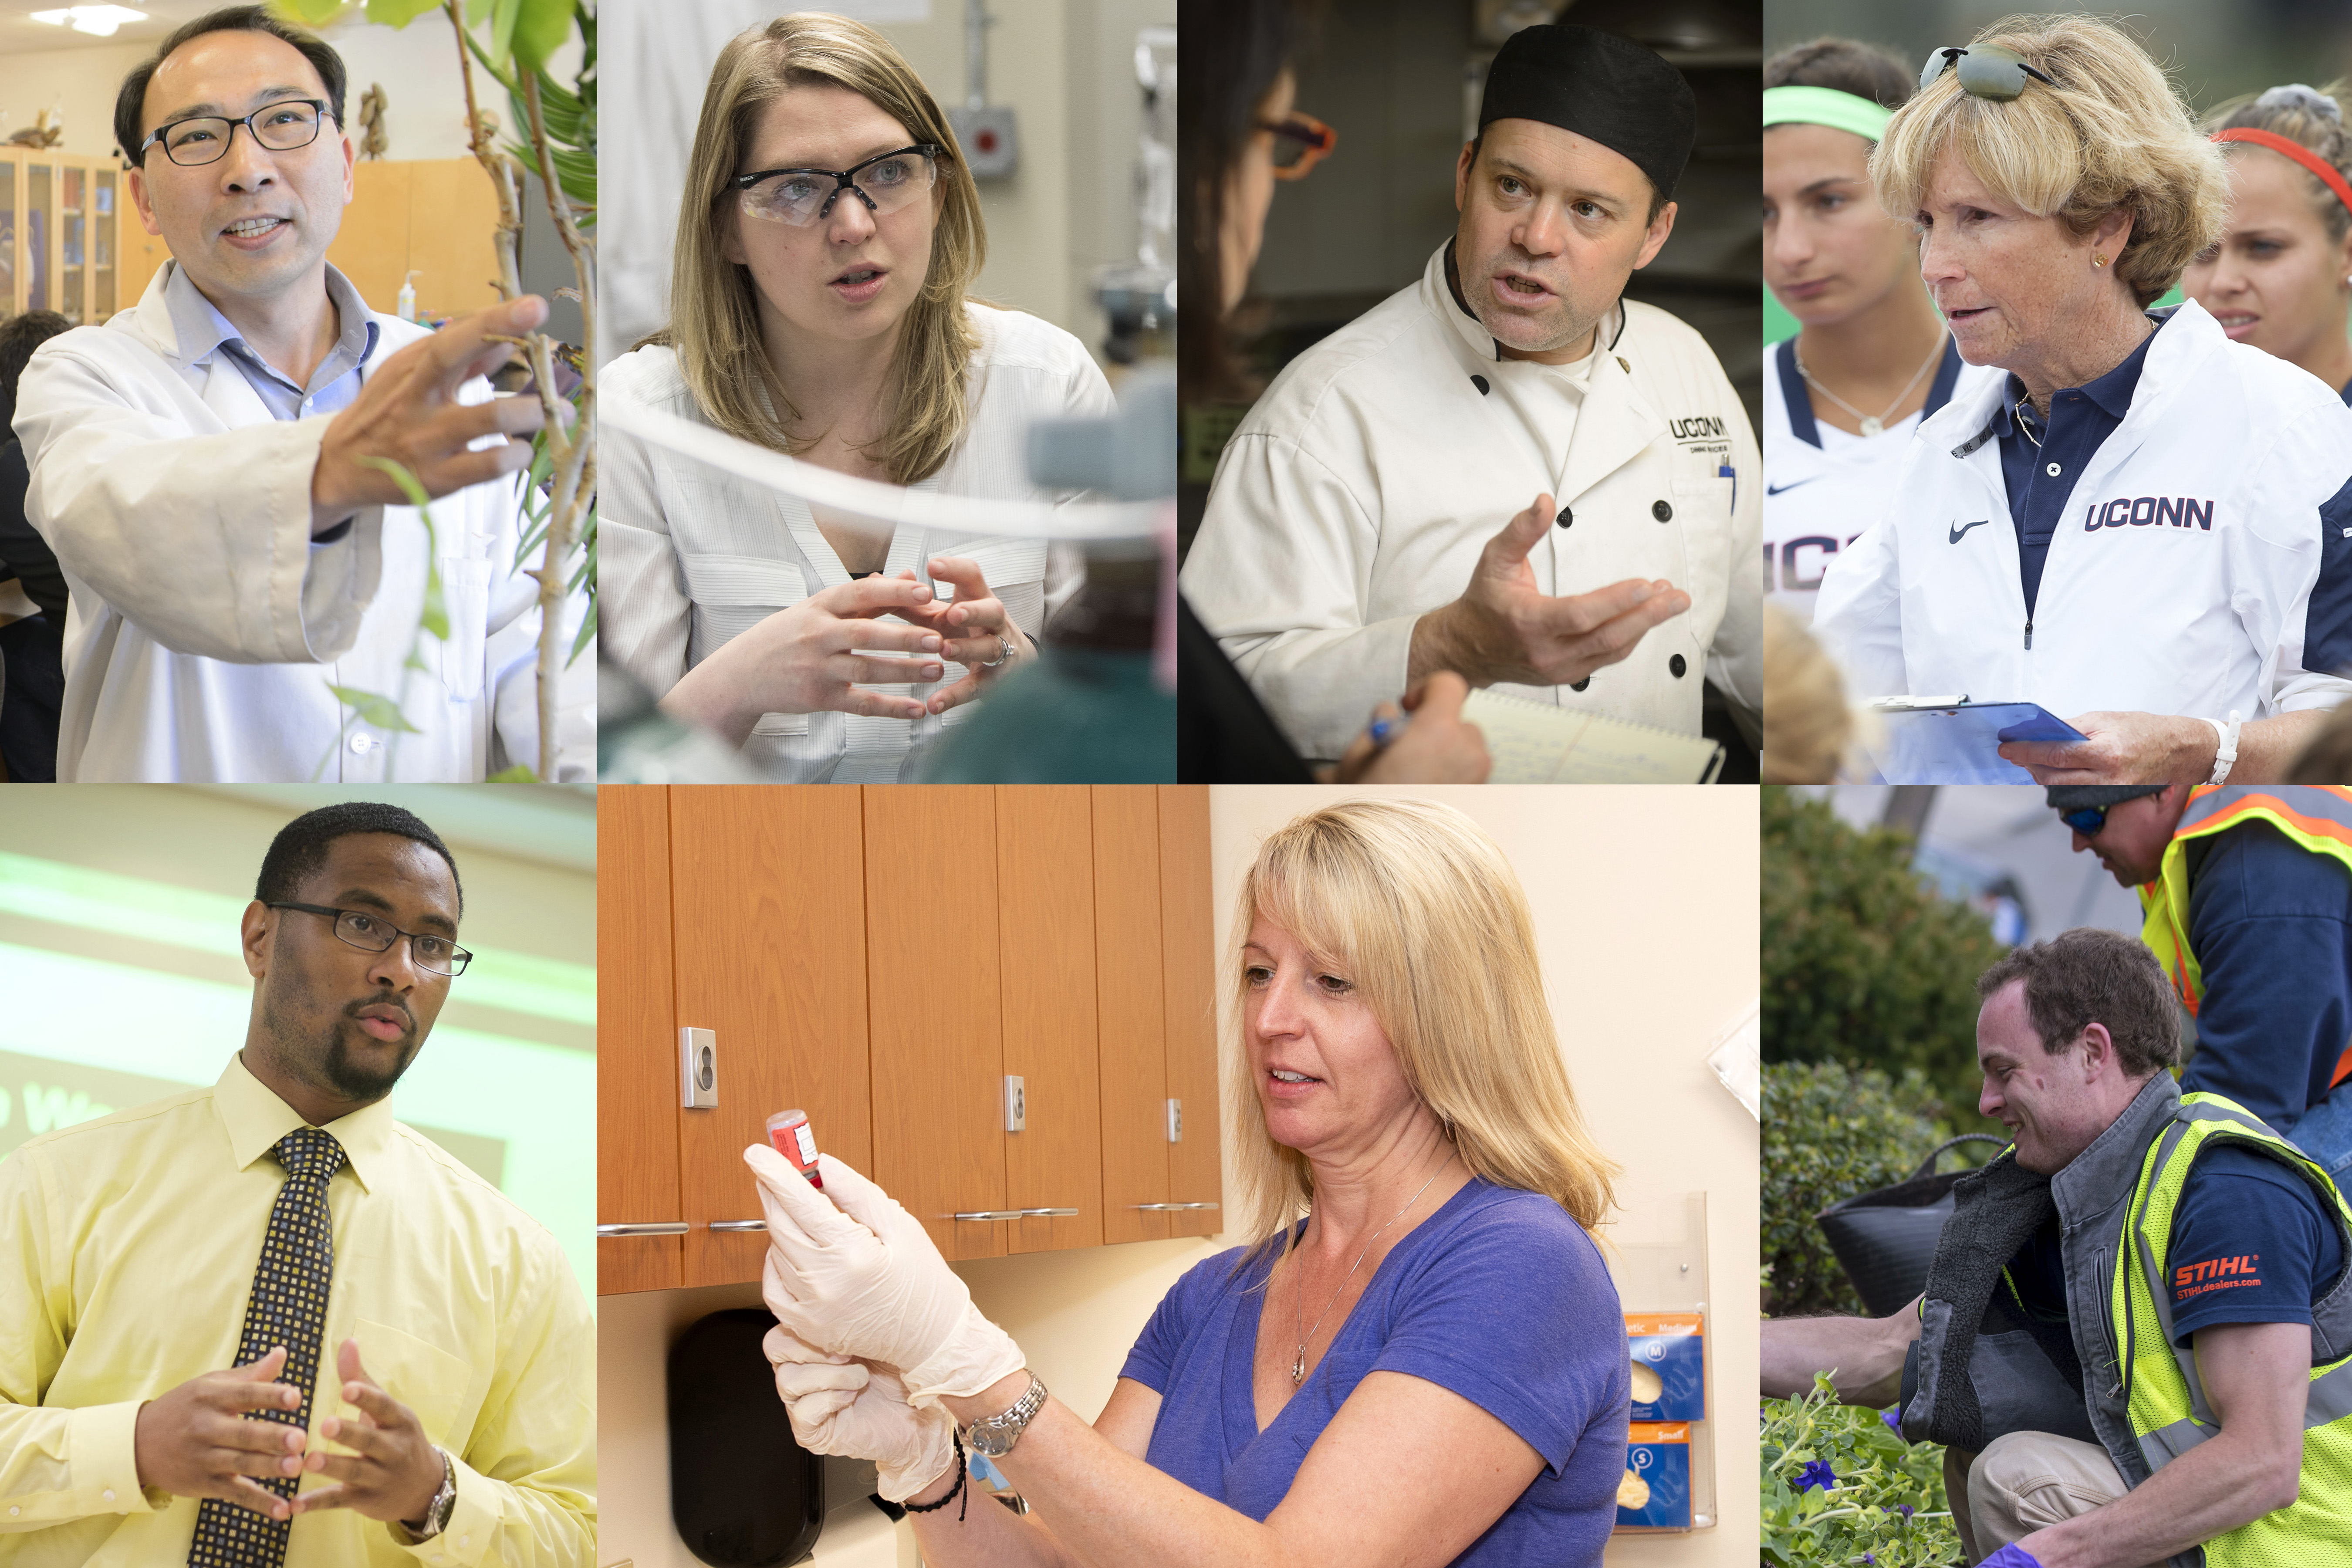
x,y
1987,71
372,933
800,196
2087,821
281,126
1300,142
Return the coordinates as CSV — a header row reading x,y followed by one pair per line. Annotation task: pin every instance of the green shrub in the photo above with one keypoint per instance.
x,y
1830,1132
1840,1488
1863,962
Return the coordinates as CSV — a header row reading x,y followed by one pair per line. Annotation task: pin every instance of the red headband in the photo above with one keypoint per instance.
x,y
2300,154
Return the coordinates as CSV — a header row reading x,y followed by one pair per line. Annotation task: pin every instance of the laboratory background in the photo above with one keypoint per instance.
x,y
422,213
2214,49
1051,99
791,925
122,981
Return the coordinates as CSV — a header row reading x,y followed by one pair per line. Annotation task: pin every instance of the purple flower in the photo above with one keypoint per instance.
x,y
1867,1557
1816,1473
1894,1419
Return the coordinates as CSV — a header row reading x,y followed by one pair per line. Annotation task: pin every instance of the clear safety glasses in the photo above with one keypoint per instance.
x,y
802,196
1300,142
281,127
1987,71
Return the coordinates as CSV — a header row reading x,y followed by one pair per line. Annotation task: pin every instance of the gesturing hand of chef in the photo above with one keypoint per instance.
x,y
408,411
1503,629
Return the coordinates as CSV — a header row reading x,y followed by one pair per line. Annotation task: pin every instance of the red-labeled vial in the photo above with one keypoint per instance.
x,y
789,1131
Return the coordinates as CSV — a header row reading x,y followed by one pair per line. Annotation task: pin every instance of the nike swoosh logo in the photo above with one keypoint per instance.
x,y
1966,526
1776,490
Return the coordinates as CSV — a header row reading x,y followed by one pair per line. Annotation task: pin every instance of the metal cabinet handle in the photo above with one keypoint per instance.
x,y
745,1225
990,1214
1048,1213
667,1227
1166,1206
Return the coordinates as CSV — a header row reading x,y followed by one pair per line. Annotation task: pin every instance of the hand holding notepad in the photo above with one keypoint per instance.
x,y
1532,742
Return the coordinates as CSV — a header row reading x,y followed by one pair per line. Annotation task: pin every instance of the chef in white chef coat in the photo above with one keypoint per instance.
x,y
1371,520
199,466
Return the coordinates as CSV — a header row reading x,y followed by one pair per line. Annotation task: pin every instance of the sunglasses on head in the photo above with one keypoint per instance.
x,y
1987,71
1300,142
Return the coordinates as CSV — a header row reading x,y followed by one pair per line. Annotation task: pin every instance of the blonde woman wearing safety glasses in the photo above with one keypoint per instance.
x,y
827,240
2144,527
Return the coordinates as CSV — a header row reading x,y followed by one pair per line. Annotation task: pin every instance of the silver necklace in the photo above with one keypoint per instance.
x,y
1872,423
1299,1365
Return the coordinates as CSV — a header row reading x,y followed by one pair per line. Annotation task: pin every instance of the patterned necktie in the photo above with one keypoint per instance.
x,y
289,1308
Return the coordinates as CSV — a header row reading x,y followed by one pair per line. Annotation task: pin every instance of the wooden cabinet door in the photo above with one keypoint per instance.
x,y
768,897
637,1048
1044,870
931,921
1195,1174
1130,980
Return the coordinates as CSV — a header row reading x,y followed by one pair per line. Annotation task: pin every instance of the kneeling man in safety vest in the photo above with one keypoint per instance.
x,y
2135,1339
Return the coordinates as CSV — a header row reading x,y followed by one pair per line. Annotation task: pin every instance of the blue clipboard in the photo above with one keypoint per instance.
x,y
1955,741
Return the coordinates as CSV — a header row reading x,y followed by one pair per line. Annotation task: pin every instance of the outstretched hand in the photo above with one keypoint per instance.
x,y
392,1470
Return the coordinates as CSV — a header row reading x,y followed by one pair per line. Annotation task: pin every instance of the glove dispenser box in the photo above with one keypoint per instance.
x,y
743,1493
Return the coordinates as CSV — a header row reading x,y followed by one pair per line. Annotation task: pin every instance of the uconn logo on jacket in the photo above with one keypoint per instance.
x,y
2149,512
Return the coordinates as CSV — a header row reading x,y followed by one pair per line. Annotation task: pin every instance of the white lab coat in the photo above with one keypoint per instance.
x,y
692,557
1823,487
2138,611
205,627
1357,495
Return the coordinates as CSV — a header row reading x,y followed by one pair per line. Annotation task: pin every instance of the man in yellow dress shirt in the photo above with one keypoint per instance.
x,y
211,1302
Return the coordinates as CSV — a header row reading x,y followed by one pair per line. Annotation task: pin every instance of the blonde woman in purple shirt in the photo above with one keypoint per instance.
x,y
1398,1082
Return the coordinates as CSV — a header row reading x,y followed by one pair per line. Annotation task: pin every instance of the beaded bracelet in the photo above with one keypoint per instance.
x,y
961,1472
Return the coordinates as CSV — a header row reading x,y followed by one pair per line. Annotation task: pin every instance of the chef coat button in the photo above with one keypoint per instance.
x,y
1677,665
1662,511
1566,517
1579,685
2052,470
1480,382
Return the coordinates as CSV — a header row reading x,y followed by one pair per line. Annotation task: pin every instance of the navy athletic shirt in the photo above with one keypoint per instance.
x,y
2250,1245
2272,927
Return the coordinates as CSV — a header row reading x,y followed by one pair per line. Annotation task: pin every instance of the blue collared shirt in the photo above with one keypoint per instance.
x,y
202,330
2040,467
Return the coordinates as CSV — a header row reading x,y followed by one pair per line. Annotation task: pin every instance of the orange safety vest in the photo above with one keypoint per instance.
x,y
2317,818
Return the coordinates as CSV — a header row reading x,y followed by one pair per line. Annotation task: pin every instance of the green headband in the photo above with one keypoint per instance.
x,y
1825,106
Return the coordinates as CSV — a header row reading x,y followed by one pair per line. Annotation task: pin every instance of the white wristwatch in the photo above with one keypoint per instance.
x,y
2225,752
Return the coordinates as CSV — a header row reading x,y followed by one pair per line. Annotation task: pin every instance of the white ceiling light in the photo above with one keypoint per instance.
x,y
98,21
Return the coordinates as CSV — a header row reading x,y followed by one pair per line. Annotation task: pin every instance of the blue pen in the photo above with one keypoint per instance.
x,y
1384,729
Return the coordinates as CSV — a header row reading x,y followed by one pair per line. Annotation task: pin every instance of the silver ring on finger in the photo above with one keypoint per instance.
x,y
1004,652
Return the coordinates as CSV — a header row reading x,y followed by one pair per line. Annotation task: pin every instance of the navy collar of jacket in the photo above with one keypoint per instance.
x,y
1796,398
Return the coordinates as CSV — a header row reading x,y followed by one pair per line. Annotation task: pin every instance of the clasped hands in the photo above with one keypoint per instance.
x,y
874,1328
196,1441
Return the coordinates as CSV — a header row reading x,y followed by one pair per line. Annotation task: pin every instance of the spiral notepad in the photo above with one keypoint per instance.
x,y
1532,742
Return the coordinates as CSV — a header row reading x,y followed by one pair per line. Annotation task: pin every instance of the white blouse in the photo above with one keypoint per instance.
x,y
689,556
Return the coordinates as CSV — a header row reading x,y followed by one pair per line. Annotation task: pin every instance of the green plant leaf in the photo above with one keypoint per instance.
x,y
311,13
540,27
476,12
587,630
381,712
519,774
400,13
436,616
402,477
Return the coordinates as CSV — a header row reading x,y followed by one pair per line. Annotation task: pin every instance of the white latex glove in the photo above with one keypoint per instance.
x,y
863,1279
843,1407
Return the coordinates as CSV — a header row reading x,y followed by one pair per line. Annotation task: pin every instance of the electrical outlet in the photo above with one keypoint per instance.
x,y
1175,1121
1016,1104
698,1068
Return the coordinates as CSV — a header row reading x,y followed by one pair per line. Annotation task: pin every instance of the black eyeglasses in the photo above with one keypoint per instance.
x,y
2087,821
281,127
1987,71
373,933
800,198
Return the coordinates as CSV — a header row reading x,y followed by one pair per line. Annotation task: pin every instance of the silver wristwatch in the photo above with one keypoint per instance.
x,y
444,1503
996,1436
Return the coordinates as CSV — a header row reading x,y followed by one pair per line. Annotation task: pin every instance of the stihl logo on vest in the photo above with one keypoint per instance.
x,y
2216,1274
